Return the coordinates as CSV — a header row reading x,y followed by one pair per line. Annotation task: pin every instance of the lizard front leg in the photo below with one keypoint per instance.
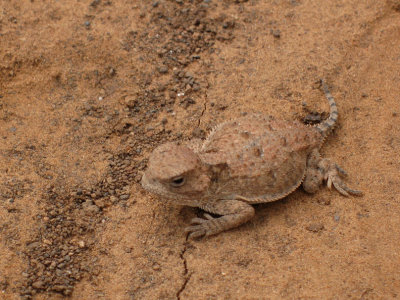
x,y
233,213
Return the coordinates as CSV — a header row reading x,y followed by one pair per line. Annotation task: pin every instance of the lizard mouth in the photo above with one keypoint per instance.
x,y
146,183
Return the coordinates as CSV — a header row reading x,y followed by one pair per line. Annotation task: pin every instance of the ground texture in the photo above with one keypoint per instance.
x,y
89,88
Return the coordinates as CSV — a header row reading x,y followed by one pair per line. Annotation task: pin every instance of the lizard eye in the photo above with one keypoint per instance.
x,y
177,181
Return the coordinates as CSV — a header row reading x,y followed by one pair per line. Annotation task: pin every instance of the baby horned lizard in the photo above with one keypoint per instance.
x,y
253,159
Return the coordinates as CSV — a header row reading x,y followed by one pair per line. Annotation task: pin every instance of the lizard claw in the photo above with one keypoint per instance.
x,y
340,170
333,175
199,227
195,231
198,221
340,186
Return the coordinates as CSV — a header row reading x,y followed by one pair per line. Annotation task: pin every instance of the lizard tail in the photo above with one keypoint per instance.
x,y
327,126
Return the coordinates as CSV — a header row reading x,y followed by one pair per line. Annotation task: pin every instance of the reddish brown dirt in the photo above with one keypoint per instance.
x,y
89,88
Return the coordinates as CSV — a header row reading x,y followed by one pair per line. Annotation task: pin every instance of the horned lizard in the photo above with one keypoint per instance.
x,y
253,159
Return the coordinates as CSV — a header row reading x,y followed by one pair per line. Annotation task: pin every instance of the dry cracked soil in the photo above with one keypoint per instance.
x,y
89,88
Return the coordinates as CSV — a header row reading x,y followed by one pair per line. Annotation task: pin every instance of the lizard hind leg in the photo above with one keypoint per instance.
x,y
333,175
314,176
322,169
312,180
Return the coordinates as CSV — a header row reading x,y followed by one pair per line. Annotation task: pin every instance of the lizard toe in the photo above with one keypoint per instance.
x,y
197,221
196,231
341,187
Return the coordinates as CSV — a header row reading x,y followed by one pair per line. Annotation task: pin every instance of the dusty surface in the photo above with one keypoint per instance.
x,y
89,88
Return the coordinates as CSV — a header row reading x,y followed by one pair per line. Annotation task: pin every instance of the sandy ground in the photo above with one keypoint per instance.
x,y
89,88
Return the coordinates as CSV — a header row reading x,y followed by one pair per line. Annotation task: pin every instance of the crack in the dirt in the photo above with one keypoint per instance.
x,y
186,274
202,112
204,106
153,217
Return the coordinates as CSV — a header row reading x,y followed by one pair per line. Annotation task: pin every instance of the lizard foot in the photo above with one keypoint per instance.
x,y
202,227
232,214
334,177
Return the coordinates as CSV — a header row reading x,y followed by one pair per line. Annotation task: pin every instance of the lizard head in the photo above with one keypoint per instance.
x,y
176,172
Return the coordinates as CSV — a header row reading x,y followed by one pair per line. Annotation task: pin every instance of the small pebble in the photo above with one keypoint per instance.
x,y
156,267
95,3
124,197
324,201
47,242
163,69
38,284
315,227
276,33
52,265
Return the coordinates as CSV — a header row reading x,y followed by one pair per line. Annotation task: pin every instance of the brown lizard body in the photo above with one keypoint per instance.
x,y
253,159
